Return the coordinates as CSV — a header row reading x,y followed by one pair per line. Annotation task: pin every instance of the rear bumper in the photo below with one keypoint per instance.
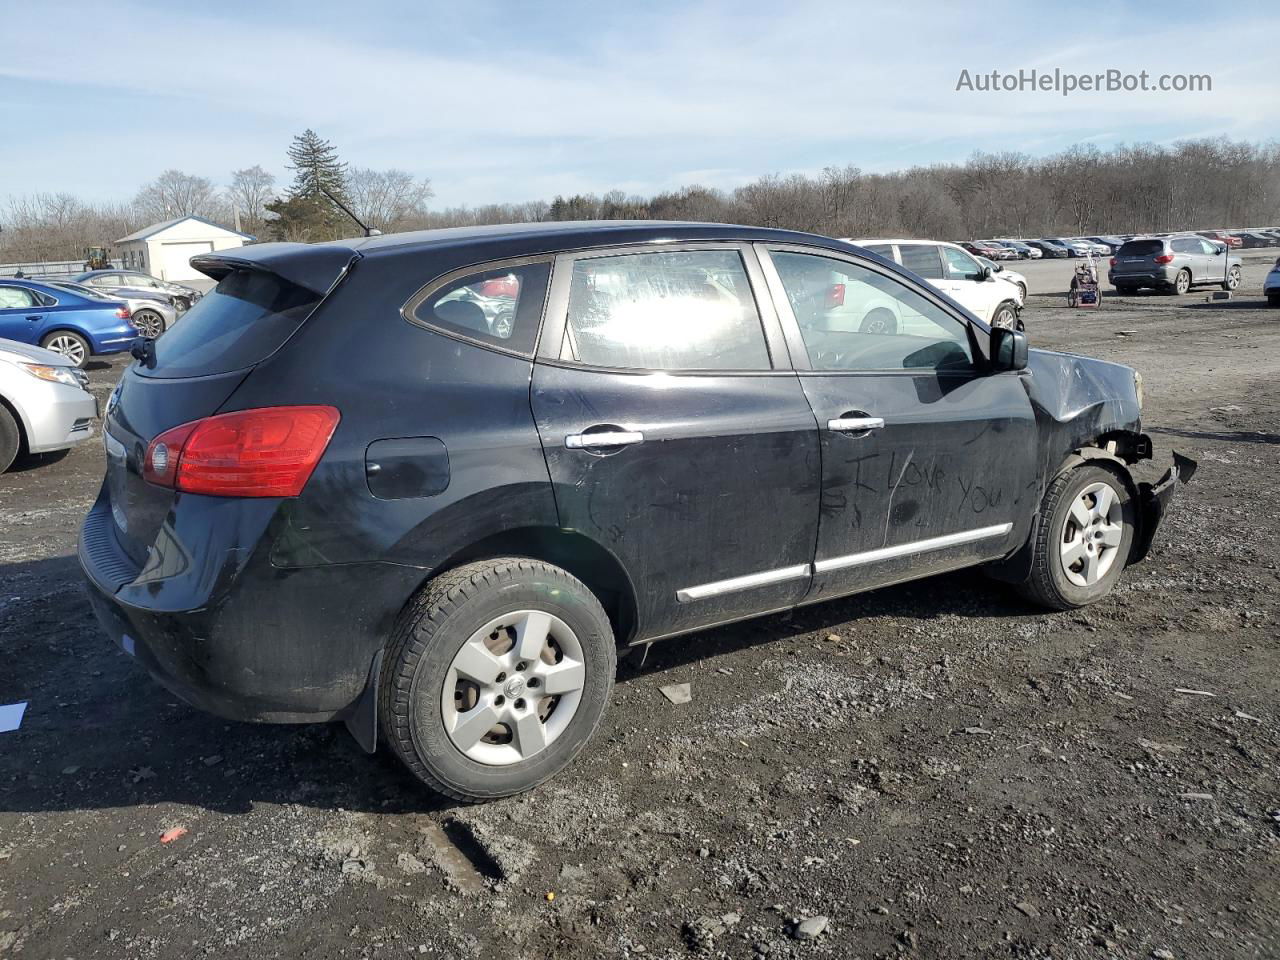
x,y
1154,277
58,417
219,627
1154,503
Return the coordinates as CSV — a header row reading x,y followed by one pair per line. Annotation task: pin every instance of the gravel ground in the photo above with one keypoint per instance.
x,y
934,770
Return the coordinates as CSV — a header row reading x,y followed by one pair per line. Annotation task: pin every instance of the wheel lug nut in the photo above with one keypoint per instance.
x,y
533,682
499,700
520,704
521,665
501,677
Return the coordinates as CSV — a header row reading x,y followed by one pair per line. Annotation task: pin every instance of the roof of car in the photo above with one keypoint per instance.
x,y
316,266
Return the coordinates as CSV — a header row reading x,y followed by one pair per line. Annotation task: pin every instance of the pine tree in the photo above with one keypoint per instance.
x,y
315,164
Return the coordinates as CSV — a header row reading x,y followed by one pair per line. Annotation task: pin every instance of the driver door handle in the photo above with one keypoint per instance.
x,y
613,438
855,424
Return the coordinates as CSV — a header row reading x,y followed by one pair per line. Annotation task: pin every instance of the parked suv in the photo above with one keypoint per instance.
x,y
953,270
1173,264
336,491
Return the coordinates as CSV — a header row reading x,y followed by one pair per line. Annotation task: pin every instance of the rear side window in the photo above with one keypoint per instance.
x,y
500,306
1185,245
884,249
1142,248
683,310
921,259
242,321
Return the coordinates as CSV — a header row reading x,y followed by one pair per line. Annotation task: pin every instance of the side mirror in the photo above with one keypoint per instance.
x,y
1222,248
987,274
1008,349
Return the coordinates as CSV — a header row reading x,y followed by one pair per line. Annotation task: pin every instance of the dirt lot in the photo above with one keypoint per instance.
x,y
936,769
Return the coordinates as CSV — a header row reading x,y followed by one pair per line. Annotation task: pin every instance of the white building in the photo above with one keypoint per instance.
x,y
164,249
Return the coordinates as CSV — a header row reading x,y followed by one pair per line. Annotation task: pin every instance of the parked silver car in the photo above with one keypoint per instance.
x,y
151,313
111,281
44,402
1173,264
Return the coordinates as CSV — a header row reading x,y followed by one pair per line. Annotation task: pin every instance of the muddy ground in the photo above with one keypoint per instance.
x,y
937,769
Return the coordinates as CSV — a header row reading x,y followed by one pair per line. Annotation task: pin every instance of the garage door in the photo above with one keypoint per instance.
x,y
174,257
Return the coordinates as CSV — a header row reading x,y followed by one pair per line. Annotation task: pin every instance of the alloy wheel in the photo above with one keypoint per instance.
x,y
1091,534
513,687
149,324
69,347
1233,278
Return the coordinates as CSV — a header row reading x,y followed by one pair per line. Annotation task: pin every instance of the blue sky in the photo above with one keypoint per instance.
x,y
503,101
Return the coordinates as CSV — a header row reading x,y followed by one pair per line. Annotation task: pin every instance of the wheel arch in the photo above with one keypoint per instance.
x,y
597,567
24,428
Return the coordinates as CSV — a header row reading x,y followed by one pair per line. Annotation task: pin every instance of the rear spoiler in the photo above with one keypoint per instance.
x,y
314,267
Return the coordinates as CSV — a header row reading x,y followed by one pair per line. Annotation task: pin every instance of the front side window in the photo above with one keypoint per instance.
x,y
501,306
16,298
682,310
884,249
921,259
854,318
961,266
1208,248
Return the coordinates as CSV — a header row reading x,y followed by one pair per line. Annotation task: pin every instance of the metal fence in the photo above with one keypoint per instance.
x,y
49,268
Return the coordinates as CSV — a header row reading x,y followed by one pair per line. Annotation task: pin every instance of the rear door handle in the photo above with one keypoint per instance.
x,y
605,438
33,317
855,424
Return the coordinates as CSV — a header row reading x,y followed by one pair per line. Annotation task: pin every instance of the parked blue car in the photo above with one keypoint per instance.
x,y
62,321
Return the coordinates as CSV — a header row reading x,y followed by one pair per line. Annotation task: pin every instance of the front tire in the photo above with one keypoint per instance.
x,y
1233,279
495,678
10,439
149,323
71,345
1083,537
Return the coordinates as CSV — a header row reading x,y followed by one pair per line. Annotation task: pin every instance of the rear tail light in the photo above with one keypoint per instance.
x,y
1165,258
835,295
1113,261
123,313
265,452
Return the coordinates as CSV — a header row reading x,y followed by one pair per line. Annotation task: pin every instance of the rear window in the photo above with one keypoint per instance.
x,y
1142,248
243,320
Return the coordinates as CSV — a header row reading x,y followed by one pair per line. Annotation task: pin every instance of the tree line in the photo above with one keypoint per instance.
x,y
1193,184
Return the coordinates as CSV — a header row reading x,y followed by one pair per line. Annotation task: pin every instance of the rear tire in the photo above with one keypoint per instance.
x,y
1080,550
10,439
1181,283
70,344
879,320
459,707
1273,299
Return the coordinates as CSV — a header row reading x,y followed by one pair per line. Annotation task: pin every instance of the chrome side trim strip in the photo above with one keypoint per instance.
x,y
908,549
704,590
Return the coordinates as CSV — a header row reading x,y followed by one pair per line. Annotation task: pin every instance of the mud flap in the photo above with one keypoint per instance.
x,y
1155,499
362,720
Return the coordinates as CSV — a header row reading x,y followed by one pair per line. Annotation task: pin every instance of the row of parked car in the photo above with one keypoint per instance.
x,y
1106,245
92,314
50,327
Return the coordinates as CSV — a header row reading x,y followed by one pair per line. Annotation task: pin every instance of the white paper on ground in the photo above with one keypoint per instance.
x,y
11,716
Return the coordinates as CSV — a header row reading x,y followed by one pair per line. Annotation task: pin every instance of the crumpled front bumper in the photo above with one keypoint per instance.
x,y
1154,499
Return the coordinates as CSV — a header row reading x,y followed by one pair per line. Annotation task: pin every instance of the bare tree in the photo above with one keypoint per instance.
x,y
387,199
248,194
177,194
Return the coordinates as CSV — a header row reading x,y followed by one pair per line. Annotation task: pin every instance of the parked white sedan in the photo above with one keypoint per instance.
x,y
981,290
44,403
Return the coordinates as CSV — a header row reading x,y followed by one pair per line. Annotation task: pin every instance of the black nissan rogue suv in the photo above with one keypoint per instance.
x,y
429,484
